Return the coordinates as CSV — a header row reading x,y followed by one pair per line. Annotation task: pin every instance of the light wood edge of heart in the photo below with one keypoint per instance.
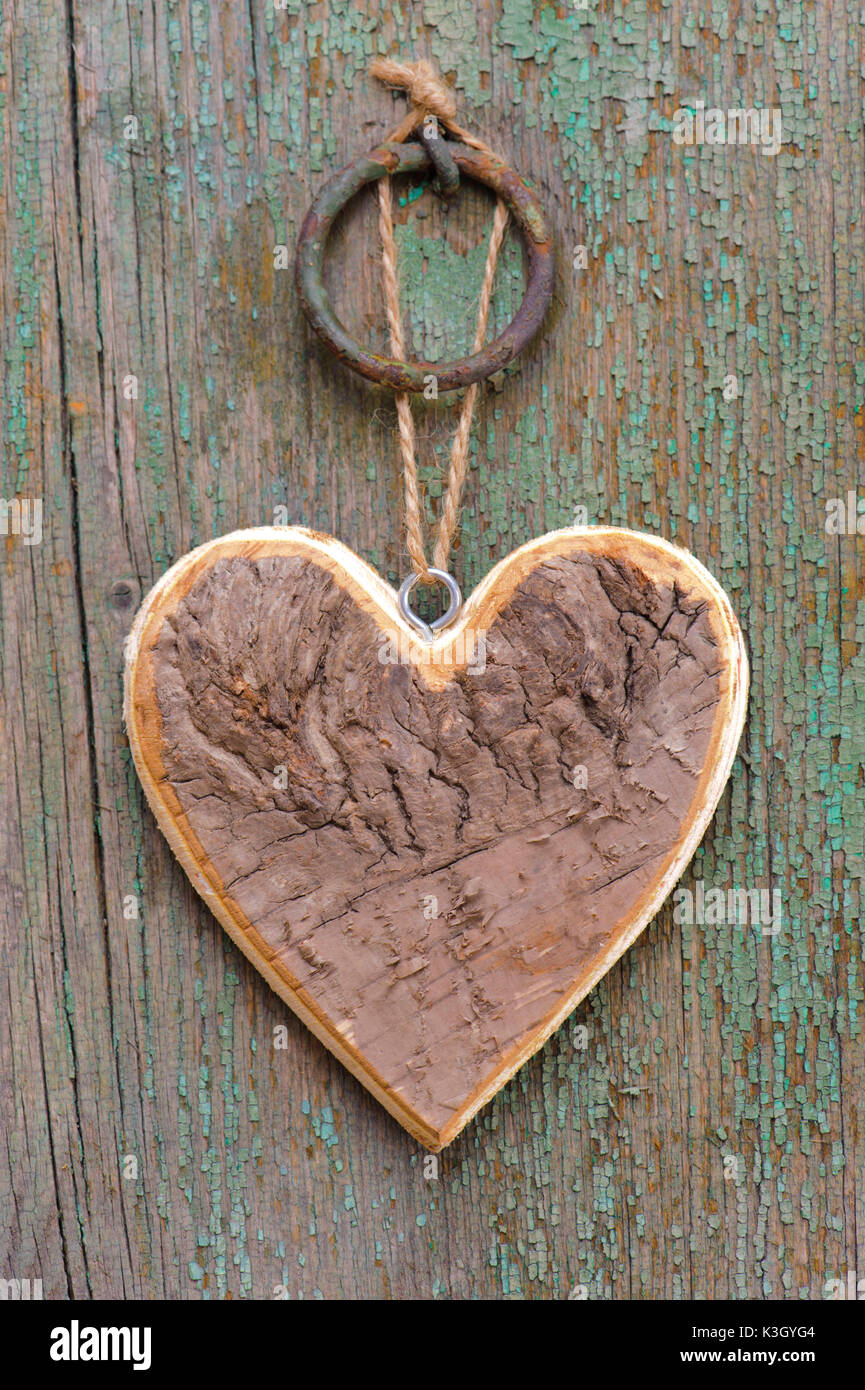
x,y
379,599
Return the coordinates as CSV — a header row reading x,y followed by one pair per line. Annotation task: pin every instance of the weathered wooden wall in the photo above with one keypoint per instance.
x,y
149,253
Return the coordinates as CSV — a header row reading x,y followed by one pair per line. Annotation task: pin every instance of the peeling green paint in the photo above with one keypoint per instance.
x,y
264,1170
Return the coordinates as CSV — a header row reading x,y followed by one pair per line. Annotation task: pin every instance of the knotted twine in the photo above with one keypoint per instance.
x,y
430,96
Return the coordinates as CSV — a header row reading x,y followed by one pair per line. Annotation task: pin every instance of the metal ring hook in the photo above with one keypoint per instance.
x,y
429,630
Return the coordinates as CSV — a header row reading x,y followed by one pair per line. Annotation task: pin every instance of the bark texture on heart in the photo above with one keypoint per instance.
x,y
433,859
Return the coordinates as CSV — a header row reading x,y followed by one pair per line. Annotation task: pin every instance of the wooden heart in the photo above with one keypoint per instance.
x,y
433,853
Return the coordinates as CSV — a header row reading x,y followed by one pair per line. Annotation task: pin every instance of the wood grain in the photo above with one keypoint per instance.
x,y
707,1140
392,832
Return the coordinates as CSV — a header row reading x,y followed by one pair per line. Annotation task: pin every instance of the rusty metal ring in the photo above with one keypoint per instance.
x,y
411,158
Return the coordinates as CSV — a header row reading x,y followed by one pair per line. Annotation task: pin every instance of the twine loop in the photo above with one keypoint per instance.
x,y
428,92
430,96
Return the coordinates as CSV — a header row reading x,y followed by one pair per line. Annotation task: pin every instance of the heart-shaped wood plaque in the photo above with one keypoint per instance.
x,y
433,853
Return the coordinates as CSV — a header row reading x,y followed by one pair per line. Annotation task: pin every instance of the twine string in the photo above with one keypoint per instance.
x,y
430,96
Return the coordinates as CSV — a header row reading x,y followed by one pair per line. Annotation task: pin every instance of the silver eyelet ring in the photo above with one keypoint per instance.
x,y
429,630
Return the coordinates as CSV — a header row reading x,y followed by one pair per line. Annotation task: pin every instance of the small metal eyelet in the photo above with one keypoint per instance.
x,y
429,630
